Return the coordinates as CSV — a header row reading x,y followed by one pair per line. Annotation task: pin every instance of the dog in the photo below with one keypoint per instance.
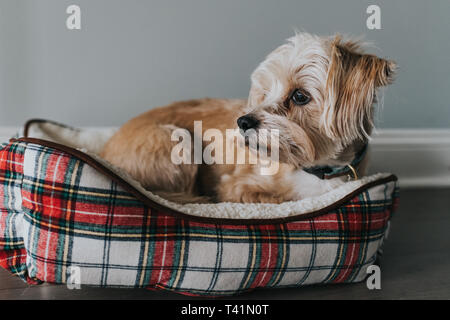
x,y
317,92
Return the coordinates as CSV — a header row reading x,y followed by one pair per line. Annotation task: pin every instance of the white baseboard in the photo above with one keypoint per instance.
x,y
419,157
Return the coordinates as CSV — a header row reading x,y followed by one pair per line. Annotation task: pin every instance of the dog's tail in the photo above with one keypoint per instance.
x,y
183,198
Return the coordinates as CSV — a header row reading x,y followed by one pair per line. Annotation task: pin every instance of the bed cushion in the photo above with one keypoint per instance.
x,y
63,209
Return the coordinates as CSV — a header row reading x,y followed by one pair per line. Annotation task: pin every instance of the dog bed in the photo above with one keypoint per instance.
x,y
61,206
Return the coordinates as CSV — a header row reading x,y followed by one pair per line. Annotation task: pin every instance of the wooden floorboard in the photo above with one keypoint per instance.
x,y
415,263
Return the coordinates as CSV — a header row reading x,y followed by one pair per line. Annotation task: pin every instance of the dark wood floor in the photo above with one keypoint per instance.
x,y
415,263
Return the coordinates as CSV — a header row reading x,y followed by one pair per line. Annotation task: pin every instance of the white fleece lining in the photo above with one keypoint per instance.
x,y
90,141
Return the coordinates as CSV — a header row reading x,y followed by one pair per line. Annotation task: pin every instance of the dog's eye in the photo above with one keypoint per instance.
x,y
300,98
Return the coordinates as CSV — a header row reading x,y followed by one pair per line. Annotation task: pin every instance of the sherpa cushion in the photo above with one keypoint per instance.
x,y
61,206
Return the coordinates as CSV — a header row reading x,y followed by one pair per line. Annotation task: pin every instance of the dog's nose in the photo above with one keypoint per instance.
x,y
247,122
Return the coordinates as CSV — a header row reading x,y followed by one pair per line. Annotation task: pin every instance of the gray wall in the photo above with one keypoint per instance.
x,y
133,55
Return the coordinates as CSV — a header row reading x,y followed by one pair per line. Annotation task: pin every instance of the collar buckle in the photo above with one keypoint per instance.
x,y
354,173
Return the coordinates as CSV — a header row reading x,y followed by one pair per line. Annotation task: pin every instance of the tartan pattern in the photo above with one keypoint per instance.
x,y
56,211
12,251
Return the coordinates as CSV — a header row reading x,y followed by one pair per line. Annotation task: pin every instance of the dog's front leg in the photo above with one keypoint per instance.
x,y
233,189
306,185
247,185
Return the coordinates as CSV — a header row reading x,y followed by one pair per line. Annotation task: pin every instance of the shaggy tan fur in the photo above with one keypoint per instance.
x,y
341,81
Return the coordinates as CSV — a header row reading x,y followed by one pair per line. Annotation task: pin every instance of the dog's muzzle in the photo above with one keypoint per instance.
x,y
247,122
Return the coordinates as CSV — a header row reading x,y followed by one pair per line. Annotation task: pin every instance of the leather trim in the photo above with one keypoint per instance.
x,y
26,128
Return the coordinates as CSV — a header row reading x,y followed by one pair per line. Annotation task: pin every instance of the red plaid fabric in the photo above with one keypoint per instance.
x,y
57,212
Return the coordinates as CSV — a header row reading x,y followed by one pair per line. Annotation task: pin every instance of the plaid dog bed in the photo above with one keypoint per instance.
x,y
60,209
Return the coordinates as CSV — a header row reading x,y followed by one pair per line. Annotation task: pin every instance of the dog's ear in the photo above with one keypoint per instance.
x,y
352,80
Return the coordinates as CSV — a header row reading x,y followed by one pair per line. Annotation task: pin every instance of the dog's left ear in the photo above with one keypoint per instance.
x,y
379,71
352,82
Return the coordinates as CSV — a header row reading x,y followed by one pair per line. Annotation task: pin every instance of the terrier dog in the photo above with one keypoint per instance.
x,y
318,92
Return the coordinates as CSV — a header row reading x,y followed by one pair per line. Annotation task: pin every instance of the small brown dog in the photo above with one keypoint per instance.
x,y
317,92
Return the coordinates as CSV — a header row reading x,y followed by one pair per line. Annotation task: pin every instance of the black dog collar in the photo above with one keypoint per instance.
x,y
329,172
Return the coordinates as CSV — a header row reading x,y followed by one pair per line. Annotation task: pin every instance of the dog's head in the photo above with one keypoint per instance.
x,y
319,93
